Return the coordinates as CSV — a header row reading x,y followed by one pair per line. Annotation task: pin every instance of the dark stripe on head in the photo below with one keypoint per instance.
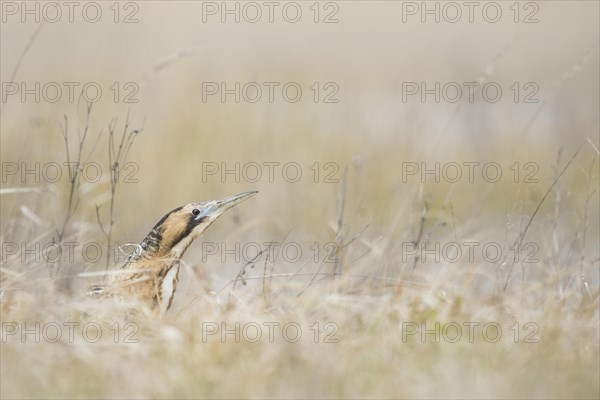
x,y
163,219
189,227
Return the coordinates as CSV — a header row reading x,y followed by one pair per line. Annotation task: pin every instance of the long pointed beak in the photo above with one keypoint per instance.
x,y
231,201
220,206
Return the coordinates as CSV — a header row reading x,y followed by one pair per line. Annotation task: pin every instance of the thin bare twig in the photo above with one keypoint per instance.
x,y
583,281
32,39
75,171
517,244
116,157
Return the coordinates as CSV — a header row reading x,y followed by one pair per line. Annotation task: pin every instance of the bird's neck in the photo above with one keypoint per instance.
x,y
152,245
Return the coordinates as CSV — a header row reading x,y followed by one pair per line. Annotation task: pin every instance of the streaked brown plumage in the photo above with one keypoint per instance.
x,y
150,275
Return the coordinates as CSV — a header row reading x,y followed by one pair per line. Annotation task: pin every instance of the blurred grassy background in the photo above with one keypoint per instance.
x,y
368,54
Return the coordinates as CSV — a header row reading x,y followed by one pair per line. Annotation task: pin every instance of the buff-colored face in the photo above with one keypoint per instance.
x,y
181,226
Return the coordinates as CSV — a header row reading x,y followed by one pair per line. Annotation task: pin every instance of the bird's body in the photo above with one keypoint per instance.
x,y
150,275
150,282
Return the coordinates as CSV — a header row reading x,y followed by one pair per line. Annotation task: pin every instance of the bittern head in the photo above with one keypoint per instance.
x,y
172,235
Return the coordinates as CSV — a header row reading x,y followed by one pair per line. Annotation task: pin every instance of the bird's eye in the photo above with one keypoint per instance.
x,y
195,211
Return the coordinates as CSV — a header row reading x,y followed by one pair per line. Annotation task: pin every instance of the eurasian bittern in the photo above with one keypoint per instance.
x,y
150,275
